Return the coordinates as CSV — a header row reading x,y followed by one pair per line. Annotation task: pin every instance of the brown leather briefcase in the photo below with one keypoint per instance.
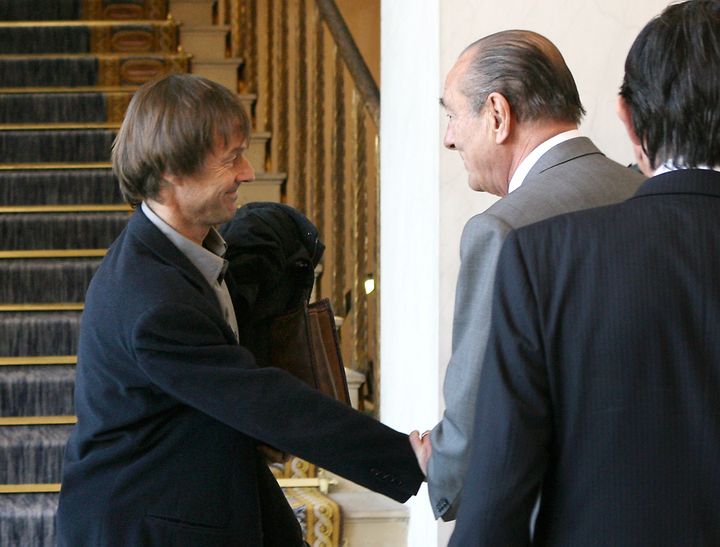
x,y
305,343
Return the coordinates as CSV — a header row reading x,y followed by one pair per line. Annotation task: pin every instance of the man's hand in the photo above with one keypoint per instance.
x,y
273,455
422,447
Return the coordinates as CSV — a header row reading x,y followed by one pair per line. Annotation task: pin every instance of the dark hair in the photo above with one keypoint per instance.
x,y
170,126
529,71
672,85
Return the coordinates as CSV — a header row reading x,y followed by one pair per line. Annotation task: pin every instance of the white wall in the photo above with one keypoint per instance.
x,y
409,197
424,196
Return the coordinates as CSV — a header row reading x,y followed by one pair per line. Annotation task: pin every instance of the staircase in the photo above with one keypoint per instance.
x,y
68,69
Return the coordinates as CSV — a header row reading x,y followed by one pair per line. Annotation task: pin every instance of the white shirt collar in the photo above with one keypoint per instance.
x,y
669,165
532,158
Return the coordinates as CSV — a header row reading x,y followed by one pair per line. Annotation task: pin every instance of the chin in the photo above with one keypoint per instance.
x,y
475,184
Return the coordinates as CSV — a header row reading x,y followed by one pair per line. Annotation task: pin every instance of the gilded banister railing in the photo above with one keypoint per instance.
x,y
317,97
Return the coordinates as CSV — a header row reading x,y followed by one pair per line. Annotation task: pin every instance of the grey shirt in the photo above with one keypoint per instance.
x,y
207,258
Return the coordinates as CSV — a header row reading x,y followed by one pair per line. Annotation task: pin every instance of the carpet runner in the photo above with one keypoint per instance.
x,y
65,83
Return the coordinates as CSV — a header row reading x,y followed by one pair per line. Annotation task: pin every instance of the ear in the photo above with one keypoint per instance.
x,y
500,112
623,112
172,180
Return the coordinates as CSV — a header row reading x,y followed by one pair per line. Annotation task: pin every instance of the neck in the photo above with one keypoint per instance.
x,y
171,216
530,135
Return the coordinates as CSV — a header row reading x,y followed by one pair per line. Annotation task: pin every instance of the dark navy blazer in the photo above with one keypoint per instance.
x,y
171,409
601,384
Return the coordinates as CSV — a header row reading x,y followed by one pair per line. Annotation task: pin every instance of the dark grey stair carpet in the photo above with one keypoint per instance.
x,y
52,107
32,454
58,187
45,40
59,280
37,390
77,145
40,10
28,520
61,230
39,333
48,72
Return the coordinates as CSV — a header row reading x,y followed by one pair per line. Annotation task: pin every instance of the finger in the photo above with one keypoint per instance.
x,y
415,440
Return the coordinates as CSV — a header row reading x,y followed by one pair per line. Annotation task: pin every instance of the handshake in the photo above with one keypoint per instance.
x,y
422,447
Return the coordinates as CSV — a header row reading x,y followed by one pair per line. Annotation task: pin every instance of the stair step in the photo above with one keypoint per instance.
x,y
39,333
32,454
54,166
59,186
52,253
71,105
61,230
87,69
27,143
46,360
140,36
13,421
28,519
37,390
61,10
48,281
63,107
76,145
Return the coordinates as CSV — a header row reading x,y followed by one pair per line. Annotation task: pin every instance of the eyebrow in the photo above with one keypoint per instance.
x,y
442,103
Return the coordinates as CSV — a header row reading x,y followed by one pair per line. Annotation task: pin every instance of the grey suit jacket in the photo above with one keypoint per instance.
x,y
571,176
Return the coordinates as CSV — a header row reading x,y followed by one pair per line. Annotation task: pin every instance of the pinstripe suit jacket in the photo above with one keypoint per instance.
x,y
601,382
571,176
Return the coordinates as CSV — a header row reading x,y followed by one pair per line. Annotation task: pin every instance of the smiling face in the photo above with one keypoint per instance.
x,y
209,197
472,133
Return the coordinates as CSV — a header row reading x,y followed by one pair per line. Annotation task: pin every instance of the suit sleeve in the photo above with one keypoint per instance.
x,y
480,246
513,424
186,355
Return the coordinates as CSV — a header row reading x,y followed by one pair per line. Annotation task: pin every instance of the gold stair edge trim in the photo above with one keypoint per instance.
x,y
128,55
58,126
205,28
89,23
37,420
42,306
91,89
38,360
321,483
79,208
53,166
29,488
53,253
221,61
254,136
78,89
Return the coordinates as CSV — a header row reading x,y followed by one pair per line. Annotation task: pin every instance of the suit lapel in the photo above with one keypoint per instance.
x,y
156,243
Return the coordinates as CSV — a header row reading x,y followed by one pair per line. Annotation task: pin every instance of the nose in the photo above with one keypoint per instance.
x,y
449,139
245,172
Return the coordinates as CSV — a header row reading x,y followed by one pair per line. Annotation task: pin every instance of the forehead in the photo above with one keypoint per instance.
x,y
453,97
228,141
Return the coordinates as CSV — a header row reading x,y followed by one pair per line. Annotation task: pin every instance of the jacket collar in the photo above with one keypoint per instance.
x,y
157,243
565,151
682,181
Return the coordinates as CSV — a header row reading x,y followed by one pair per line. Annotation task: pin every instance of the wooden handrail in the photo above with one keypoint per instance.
x,y
350,53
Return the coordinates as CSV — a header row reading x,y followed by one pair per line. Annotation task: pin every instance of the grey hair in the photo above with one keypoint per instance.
x,y
528,70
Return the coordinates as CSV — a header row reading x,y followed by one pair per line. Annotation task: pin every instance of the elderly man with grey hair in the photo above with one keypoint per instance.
x,y
513,112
